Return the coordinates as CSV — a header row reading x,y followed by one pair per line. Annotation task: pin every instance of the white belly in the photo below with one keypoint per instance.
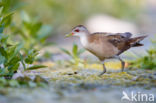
x,y
84,41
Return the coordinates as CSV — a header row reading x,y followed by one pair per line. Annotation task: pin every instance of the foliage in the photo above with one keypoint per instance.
x,y
146,62
75,55
31,31
14,55
11,57
27,29
23,82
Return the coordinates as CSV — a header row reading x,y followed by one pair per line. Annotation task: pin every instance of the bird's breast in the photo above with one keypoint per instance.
x,y
84,41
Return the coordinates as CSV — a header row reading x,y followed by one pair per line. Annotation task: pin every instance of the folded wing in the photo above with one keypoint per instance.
x,y
123,41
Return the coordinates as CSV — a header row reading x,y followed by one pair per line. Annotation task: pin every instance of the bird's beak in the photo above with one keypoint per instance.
x,y
68,35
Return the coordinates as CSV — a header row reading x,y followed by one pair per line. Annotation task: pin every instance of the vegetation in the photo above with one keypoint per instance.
x,y
31,31
146,62
15,54
23,82
75,55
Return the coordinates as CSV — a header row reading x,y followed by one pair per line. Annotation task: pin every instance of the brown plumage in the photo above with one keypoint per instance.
x,y
109,44
106,45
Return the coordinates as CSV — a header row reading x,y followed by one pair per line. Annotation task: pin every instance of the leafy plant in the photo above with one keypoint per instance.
x,y
11,57
31,31
12,54
75,55
146,62
22,82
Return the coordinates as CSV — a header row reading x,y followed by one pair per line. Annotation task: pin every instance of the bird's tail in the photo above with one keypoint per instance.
x,y
135,42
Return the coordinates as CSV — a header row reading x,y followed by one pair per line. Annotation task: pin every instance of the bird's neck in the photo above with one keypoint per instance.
x,y
84,40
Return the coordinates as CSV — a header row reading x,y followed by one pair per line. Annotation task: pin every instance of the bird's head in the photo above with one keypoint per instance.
x,y
79,30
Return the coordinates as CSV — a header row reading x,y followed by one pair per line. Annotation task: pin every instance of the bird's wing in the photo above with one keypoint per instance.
x,y
119,41
101,33
126,34
97,37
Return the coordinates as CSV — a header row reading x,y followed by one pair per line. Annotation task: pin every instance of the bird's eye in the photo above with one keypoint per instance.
x,y
77,30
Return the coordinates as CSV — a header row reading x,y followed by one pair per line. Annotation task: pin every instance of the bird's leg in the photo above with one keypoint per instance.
x,y
122,63
104,69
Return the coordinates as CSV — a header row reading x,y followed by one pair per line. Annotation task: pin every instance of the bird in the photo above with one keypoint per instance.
x,y
105,45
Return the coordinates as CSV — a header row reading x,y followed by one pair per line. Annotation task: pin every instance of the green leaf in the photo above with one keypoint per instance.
x,y
3,72
27,26
80,52
3,39
35,29
1,29
36,67
25,16
75,50
31,56
7,19
14,67
66,51
3,52
18,47
2,59
11,53
29,60
44,32
22,60
14,50
13,61
1,4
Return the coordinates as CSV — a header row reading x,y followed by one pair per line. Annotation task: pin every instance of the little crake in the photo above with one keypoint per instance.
x,y
106,45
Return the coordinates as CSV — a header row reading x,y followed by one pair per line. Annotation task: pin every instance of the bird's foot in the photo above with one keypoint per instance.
x,y
102,73
122,69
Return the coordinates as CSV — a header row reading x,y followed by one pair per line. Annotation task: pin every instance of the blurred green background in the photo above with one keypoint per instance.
x,y
62,15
